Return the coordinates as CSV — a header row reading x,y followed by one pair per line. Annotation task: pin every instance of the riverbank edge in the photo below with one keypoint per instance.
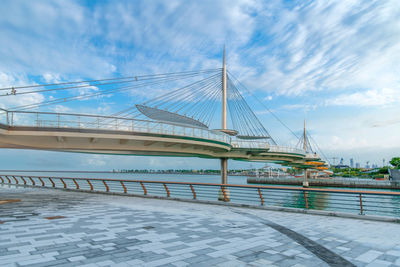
x,y
327,183
237,205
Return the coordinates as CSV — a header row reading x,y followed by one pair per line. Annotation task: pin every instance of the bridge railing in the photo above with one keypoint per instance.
x,y
312,156
286,149
348,201
265,145
84,121
249,144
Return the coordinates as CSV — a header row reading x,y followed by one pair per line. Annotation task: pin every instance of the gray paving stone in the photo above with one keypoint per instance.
x,y
387,257
217,243
96,258
124,231
197,259
210,262
203,251
52,263
179,247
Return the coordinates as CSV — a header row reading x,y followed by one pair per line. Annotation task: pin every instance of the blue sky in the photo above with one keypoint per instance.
x,y
334,63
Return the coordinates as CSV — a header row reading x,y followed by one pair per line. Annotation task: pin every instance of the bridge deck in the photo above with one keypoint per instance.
x,y
49,227
115,135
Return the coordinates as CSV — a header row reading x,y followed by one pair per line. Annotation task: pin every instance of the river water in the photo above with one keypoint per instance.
x,y
372,204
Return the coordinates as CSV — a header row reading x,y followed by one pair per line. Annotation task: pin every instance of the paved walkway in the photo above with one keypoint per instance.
x,y
55,228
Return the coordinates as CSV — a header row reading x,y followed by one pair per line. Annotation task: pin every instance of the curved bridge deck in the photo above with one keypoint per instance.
x,y
115,135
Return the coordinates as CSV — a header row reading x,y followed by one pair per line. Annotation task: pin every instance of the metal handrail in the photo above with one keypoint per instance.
x,y
265,145
129,124
362,202
126,124
286,149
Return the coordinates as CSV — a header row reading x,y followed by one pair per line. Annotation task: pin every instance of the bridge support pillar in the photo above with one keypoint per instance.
x,y
223,195
305,182
224,170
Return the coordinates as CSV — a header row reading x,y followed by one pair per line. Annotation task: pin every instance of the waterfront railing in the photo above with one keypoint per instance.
x,y
383,203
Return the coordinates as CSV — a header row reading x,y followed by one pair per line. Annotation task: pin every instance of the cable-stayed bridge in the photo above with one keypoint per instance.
x,y
180,122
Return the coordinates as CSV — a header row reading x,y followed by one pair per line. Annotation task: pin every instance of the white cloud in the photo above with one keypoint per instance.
x,y
383,123
333,46
373,97
61,109
96,161
86,88
304,107
52,77
10,80
48,37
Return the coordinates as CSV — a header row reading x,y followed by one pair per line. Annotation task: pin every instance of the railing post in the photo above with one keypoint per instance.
x,y
40,179
144,188
77,185
261,196
361,206
193,192
166,189
16,181
224,193
54,185
65,185
90,184
125,190
8,179
37,119
2,180
23,180
12,119
58,120
305,199
33,181
107,188
8,120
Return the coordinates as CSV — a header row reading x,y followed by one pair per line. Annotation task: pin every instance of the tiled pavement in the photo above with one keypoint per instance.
x,y
107,230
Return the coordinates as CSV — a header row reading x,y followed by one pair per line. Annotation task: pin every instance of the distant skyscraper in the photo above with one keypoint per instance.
x,y
367,166
358,165
341,161
384,162
352,163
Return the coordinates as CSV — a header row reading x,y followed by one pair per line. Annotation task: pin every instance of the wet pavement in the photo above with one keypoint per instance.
x,y
47,227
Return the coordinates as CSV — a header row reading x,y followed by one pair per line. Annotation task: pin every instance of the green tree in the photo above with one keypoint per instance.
x,y
395,162
383,170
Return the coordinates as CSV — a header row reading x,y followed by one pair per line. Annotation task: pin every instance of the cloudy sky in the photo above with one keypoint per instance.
x,y
334,63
